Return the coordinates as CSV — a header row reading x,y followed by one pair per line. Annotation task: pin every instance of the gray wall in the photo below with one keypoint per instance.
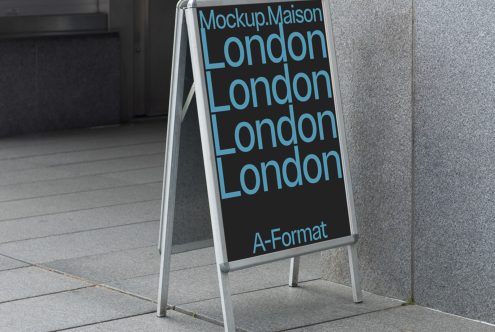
x,y
59,83
423,167
49,7
454,127
373,44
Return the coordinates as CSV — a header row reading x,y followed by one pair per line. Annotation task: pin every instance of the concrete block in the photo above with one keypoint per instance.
x,y
373,45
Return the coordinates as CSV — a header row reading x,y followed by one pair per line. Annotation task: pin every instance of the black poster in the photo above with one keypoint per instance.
x,y
274,126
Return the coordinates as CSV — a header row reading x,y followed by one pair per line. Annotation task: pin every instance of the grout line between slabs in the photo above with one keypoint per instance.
x,y
83,175
82,191
98,160
103,321
46,294
79,210
77,232
75,151
338,319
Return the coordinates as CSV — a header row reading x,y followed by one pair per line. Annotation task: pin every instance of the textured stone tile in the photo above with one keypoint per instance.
x,y
455,157
373,45
174,322
77,184
109,166
131,263
407,318
97,154
82,139
81,169
83,244
70,309
30,175
15,165
78,201
33,281
56,187
283,308
7,263
201,283
76,221
147,175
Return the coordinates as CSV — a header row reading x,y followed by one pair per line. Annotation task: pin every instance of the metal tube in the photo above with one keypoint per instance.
x,y
227,308
294,272
171,160
357,293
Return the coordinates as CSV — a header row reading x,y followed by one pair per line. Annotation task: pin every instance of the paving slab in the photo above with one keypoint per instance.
x,y
78,201
23,191
7,263
113,165
80,169
83,243
282,308
78,184
76,221
33,281
127,264
406,318
139,176
201,283
15,165
85,139
174,322
70,309
100,154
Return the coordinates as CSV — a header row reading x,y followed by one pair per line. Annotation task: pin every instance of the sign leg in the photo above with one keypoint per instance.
x,y
171,160
294,272
227,308
357,293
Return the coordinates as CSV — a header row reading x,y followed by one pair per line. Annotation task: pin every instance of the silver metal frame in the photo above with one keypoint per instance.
x,y
188,9
171,159
208,147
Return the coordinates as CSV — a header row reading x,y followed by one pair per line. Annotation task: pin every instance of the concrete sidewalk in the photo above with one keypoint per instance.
x,y
78,231
116,291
